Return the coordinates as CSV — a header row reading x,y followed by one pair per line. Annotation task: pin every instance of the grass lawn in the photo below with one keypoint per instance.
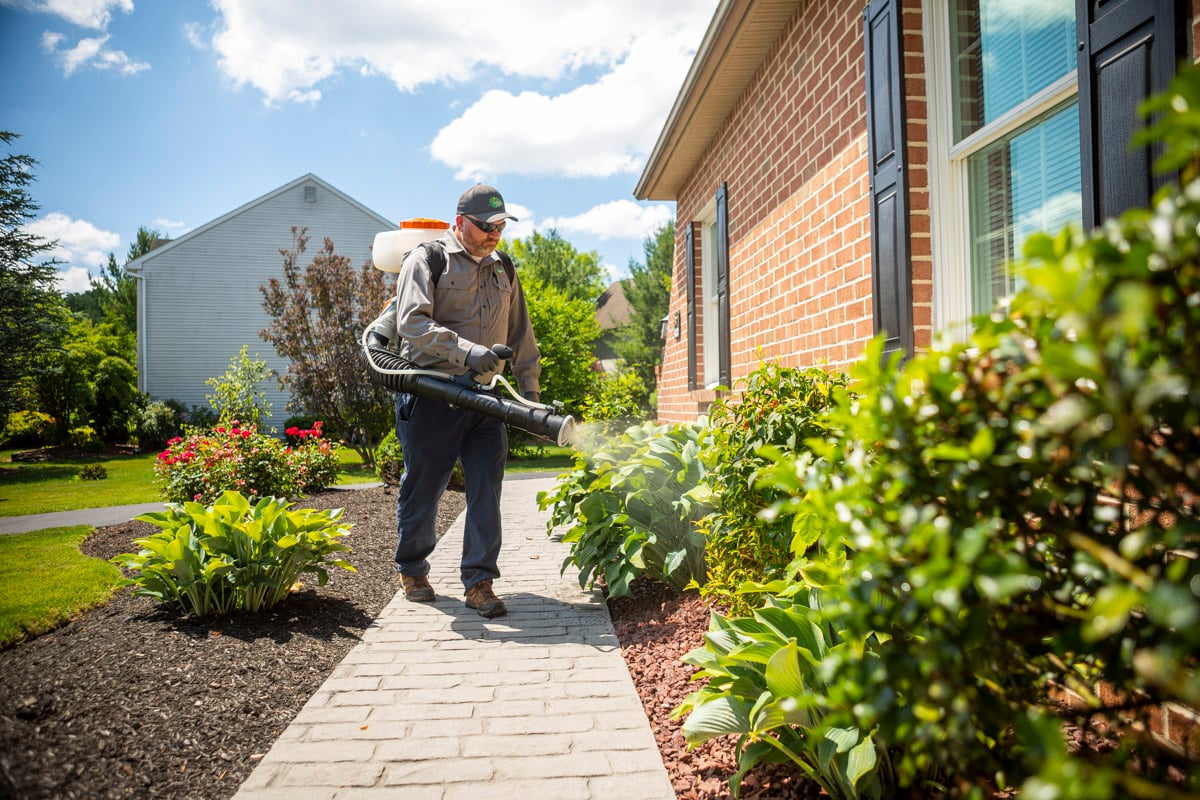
x,y
45,581
38,488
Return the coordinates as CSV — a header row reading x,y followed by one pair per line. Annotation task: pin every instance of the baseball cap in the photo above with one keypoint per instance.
x,y
483,203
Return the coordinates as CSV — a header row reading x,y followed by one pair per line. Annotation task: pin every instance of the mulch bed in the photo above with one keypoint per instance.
x,y
131,701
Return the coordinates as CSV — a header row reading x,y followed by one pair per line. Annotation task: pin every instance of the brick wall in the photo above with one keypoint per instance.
x,y
794,155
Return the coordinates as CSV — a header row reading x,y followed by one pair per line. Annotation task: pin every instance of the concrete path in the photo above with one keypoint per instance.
x,y
438,702
98,517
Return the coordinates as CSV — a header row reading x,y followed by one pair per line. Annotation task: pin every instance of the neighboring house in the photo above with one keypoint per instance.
x,y
612,312
199,299
840,171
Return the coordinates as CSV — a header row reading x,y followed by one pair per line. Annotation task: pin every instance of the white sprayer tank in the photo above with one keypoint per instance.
x,y
391,247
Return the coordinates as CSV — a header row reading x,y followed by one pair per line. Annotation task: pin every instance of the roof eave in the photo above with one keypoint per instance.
x,y
738,39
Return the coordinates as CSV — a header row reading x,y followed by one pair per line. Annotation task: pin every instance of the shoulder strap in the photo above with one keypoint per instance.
x,y
510,269
437,261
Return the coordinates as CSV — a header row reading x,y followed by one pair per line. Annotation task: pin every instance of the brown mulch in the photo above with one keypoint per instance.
x,y
131,701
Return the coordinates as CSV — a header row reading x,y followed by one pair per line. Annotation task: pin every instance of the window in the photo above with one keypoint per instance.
x,y
1004,141
709,355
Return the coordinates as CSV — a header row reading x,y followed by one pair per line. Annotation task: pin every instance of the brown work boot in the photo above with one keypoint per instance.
x,y
417,589
481,598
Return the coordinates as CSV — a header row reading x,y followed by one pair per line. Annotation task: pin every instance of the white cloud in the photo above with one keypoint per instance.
x,y
638,51
620,219
73,280
87,13
595,130
194,33
81,245
94,14
169,227
90,52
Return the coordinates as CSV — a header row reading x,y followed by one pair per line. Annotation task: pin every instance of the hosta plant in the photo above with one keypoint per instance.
x,y
630,508
231,555
765,684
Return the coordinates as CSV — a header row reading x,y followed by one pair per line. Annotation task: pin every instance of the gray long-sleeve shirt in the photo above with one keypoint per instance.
x,y
472,304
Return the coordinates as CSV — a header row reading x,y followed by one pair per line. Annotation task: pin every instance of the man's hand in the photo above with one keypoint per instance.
x,y
482,360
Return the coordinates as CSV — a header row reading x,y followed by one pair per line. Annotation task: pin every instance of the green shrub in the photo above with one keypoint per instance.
x,y
117,402
616,402
202,466
631,506
1017,514
312,458
779,408
92,472
237,395
85,438
232,556
157,423
201,417
389,459
28,429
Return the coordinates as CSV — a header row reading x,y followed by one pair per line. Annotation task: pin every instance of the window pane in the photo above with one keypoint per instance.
x,y
1025,183
1005,52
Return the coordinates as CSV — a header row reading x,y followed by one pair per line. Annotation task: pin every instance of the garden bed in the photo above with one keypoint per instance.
x,y
130,701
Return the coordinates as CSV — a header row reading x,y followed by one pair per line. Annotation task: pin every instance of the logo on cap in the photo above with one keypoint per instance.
x,y
495,202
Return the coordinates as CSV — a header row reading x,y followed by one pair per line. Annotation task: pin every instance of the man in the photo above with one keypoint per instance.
x,y
448,323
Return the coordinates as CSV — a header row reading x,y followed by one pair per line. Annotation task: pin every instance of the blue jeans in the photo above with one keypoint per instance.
x,y
433,436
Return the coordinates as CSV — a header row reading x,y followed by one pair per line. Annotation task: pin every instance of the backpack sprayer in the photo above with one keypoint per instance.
x,y
386,368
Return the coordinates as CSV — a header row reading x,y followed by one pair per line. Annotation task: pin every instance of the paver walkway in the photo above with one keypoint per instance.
x,y
438,702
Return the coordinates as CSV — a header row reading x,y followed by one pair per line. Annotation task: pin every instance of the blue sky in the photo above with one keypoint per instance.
x,y
170,114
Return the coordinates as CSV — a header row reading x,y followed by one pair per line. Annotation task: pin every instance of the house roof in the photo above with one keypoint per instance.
x,y
162,246
612,308
738,39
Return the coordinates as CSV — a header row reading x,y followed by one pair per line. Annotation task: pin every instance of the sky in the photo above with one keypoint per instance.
x,y
171,113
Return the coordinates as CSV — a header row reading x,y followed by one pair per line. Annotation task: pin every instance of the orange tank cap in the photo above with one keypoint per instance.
x,y
424,222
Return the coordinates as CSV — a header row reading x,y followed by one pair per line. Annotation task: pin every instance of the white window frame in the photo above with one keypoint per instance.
x,y
949,194
710,318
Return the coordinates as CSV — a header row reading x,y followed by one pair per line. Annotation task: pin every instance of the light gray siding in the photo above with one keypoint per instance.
x,y
199,296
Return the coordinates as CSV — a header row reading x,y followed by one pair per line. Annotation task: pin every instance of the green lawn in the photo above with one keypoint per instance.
x,y
55,486
45,581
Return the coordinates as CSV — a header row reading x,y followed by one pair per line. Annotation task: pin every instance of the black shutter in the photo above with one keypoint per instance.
x,y
724,371
1127,52
689,238
891,280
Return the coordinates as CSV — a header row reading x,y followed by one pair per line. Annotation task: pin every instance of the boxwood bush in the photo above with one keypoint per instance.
x,y
776,408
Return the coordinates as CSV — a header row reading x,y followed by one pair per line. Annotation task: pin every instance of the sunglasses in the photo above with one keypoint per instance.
x,y
487,227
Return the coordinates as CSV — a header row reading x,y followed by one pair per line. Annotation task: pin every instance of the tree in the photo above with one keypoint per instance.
x,y
236,396
566,330
553,261
115,290
648,292
317,315
87,380
33,317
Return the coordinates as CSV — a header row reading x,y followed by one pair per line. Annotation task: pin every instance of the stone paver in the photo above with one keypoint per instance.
x,y
437,702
